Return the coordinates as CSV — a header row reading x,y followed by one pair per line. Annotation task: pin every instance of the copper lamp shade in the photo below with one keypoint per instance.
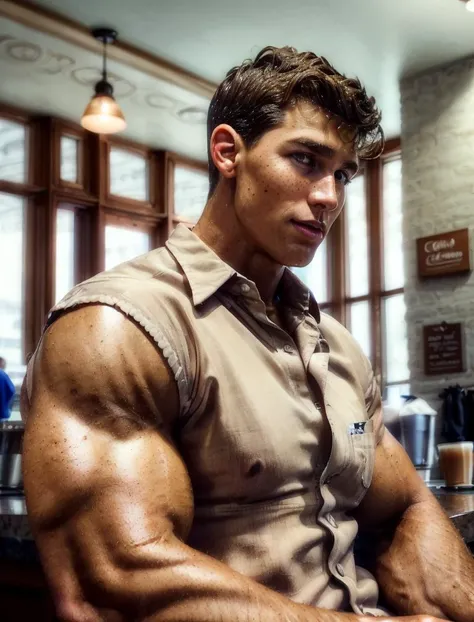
x,y
102,114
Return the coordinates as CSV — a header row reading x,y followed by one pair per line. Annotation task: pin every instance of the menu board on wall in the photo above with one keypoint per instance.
x,y
444,351
444,253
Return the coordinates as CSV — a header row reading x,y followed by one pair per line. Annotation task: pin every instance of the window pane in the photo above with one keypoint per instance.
x,y
128,174
122,244
69,153
393,394
359,318
314,275
395,339
392,225
356,230
12,242
64,252
191,188
12,151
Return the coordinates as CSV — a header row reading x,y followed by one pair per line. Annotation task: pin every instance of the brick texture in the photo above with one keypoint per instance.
x,y
438,196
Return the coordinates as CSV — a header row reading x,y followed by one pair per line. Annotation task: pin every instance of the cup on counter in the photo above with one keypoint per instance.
x,y
456,463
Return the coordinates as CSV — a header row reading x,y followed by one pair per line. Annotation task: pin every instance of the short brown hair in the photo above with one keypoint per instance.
x,y
253,98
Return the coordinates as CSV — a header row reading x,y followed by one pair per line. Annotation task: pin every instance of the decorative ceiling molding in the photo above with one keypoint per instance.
x,y
43,60
38,18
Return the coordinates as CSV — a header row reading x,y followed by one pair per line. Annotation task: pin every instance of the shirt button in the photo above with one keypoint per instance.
x,y
244,288
331,521
340,570
288,349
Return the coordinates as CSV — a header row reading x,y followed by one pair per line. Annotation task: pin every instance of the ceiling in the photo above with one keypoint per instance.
x,y
380,41
47,75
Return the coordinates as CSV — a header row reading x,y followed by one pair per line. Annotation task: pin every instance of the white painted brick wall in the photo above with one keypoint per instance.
x,y
438,196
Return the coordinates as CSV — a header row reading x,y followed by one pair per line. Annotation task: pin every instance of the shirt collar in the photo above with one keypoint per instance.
x,y
204,270
294,293
206,273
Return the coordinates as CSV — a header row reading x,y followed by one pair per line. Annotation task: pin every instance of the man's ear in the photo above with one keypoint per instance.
x,y
225,147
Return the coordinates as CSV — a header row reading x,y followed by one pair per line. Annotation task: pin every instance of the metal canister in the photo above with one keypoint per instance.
x,y
11,445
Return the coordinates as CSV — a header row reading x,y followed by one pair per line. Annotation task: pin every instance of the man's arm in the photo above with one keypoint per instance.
x,y
422,565
109,498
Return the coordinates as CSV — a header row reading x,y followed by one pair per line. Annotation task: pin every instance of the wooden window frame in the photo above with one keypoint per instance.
x,y
94,206
63,128
172,161
339,300
123,203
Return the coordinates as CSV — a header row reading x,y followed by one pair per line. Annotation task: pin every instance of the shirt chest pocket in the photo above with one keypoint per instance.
x,y
350,485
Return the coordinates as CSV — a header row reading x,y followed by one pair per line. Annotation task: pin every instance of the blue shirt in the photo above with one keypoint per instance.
x,y
7,391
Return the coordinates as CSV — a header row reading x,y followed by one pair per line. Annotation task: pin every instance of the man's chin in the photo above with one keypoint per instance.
x,y
300,260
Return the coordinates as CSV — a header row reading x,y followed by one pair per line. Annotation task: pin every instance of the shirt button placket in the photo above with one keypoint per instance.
x,y
340,570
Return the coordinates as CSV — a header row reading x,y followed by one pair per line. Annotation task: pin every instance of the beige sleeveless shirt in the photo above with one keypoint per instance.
x,y
277,428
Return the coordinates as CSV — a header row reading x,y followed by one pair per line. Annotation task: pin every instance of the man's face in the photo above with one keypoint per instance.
x,y
291,186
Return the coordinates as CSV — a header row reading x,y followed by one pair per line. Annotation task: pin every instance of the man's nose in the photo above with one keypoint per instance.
x,y
323,193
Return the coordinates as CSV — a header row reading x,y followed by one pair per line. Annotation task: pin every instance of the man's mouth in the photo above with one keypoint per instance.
x,y
312,229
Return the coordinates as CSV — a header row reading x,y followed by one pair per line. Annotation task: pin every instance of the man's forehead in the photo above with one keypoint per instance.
x,y
315,122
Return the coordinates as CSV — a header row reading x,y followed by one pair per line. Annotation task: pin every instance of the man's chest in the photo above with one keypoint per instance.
x,y
258,427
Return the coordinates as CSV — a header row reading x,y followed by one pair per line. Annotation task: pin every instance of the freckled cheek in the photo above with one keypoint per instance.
x,y
282,183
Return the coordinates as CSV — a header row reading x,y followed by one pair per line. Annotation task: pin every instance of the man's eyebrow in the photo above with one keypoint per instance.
x,y
325,151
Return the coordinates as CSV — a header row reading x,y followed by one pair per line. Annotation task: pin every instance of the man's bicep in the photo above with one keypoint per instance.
x,y
102,478
395,485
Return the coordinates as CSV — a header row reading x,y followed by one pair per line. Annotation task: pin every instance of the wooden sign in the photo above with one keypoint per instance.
x,y
445,253
444,349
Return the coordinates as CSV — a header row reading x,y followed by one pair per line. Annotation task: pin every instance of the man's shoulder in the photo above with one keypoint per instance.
x,y
142,281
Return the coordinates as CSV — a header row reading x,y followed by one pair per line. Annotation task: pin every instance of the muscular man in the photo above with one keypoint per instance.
x,y
202,444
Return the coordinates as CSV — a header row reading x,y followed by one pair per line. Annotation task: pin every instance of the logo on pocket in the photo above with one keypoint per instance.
x,y
357,428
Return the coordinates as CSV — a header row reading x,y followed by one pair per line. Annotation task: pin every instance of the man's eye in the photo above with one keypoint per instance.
x,y
342,176
304,159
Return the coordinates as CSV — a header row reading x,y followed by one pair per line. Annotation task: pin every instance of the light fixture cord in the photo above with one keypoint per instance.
x,y
104,64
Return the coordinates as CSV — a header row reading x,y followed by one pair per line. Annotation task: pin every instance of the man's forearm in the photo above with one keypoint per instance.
x,y
187,586
425,567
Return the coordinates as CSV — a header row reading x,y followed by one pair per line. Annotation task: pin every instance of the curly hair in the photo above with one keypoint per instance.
x,y
254,96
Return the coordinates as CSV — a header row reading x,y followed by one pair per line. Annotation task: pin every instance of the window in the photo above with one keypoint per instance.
x,y
392,225
65,252
395,340
357,239
123,243
357,264
394,345
12,252
364,292
13,151
69,159
359,325
315,275
128,174
191,187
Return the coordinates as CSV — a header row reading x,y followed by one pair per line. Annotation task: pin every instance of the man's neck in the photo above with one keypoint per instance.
x,y
220,229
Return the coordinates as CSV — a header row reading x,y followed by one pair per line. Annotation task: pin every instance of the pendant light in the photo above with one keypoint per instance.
x,y
102,114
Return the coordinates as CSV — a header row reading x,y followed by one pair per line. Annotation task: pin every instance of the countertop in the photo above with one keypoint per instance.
x,y
459,506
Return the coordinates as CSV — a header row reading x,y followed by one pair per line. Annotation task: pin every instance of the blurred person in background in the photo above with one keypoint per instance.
x,y
7,391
